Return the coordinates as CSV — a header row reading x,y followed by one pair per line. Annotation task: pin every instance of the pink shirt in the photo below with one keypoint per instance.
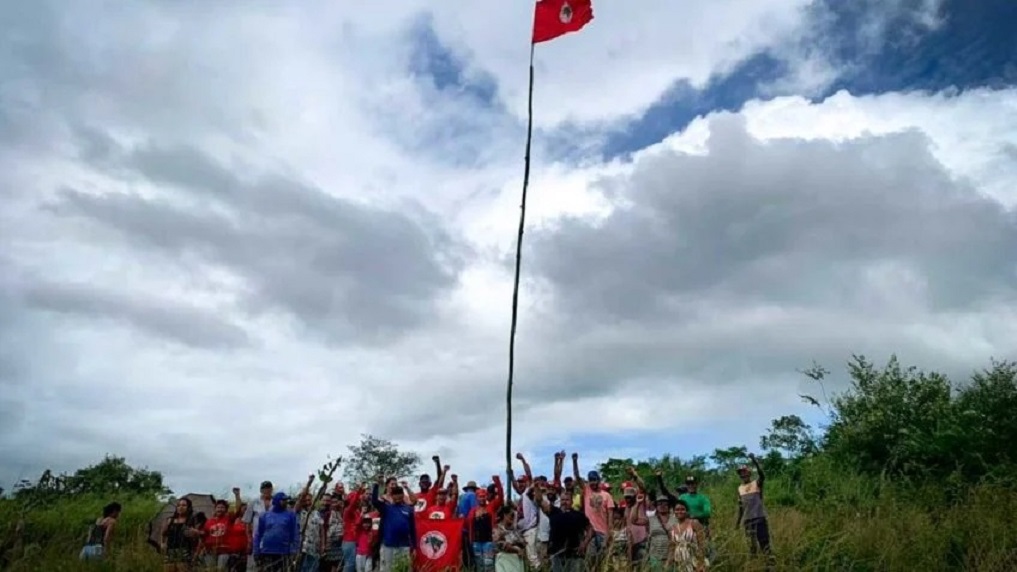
x,y
637,532
597,505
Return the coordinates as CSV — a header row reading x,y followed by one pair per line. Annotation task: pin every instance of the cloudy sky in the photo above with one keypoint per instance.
x,y
236,235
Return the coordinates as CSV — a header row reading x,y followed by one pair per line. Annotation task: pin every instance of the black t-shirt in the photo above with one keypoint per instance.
x,y
568,528
483,530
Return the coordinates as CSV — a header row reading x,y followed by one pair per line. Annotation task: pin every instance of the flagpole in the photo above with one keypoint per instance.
x,y
515,284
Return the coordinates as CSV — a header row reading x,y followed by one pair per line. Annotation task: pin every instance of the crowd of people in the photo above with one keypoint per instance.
x,y
565,524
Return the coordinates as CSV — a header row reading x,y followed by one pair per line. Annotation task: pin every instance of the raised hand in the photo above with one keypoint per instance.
x,y
519,456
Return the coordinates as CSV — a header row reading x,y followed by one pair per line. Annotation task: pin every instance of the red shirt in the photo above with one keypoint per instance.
x,y
215,530
363,540
425,500
236,538
439,511
351,517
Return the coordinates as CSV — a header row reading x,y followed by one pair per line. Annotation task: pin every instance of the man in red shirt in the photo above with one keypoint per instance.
x,y
442,509
428,493
214,535
355,502
224,541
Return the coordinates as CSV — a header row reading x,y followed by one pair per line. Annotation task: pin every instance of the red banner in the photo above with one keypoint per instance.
x,y
439,545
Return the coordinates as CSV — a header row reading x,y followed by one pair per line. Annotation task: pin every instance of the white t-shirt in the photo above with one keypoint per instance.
x,y
253,514
530,512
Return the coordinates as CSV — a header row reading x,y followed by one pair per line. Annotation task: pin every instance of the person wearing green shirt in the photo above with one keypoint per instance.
x,y
699,504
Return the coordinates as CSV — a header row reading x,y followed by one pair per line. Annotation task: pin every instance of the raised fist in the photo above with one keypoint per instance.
x,y
435,458
575,456
236,490
446,468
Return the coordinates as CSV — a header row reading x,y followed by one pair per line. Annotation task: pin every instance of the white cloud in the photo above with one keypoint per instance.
x,y
365,285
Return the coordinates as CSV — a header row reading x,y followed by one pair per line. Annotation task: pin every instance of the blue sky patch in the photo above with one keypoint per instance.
x,y
974,47
433,61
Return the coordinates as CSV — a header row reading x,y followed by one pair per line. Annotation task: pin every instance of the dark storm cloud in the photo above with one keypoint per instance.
x,y
785,222
143,310
337,265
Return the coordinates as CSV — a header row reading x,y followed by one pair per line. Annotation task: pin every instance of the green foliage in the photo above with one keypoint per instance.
x,y
111,476
905,422
790,437
374,456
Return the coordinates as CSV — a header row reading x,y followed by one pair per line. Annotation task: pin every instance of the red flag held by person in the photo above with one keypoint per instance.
x,y
439,545
553,18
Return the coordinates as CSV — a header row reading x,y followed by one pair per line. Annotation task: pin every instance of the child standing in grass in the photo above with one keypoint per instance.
x,y
100,533
365,537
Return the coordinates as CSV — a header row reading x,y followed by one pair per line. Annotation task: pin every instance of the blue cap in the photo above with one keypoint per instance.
x,y
593,476
279,499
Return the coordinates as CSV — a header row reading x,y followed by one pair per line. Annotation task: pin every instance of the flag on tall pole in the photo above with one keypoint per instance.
x,y
551,19
554,18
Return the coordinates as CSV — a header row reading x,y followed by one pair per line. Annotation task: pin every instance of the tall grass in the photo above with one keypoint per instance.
x,y
820,519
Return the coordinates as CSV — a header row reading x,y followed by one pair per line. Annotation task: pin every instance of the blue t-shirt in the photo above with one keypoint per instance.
x,y
467,501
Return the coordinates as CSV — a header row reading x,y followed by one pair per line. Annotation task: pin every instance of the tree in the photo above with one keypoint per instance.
x,y
375,456
895,420
616,470
111,476
987,422
789,436
727,460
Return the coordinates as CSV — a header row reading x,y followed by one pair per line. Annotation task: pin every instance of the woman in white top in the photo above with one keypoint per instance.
x,y
689,540
509,543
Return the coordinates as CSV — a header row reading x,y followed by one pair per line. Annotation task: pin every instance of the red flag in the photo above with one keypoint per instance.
x,y
439,545
553,18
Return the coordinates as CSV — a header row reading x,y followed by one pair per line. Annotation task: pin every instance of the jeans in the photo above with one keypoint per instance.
x,y
91,552
310,563
349,557
218,562
483,555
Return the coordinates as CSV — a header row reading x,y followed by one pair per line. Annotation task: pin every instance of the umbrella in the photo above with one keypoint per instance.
x,y
202,503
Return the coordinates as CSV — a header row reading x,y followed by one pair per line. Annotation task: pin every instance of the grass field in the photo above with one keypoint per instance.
x,y
827,521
